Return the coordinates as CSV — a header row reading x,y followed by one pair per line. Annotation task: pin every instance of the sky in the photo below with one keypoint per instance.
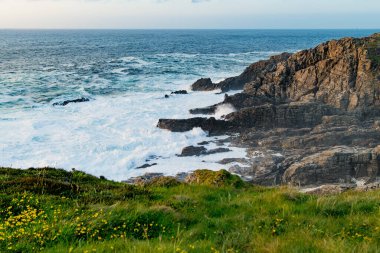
x,y
194,14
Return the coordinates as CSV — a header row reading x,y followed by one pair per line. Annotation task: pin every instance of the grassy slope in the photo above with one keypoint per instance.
x,y
58,211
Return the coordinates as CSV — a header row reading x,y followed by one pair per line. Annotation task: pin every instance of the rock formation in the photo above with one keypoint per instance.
x,y
313,115
66,102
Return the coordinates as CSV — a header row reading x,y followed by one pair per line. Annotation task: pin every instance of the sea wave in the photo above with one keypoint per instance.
x,y
109,135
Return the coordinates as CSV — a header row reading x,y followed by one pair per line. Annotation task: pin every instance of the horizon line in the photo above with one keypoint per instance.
x,y
76,28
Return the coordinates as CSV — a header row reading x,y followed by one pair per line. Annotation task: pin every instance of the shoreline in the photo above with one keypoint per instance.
x,y
283,106
302,123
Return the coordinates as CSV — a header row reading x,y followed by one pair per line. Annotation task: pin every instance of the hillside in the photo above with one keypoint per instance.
x,y
53,210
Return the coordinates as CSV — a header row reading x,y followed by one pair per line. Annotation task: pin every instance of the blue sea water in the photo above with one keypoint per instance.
x,y
125,73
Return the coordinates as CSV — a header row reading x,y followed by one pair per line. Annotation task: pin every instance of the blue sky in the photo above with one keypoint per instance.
x,y
259,14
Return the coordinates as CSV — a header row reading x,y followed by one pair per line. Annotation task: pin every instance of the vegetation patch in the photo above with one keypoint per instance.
x,y
77,212
212,178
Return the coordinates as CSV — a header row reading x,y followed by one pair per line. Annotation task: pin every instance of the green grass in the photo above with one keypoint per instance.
x,y
57,211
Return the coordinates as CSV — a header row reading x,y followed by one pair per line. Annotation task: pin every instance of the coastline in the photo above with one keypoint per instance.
x,y
69,141
311,183
302,123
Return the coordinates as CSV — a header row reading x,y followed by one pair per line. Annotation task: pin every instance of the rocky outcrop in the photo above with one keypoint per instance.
x,y
200,150
338,164
339,73
237,83
313,115
193,151
203,84
210,125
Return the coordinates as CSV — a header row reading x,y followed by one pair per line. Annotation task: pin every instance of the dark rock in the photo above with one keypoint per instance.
x,y
205,110
179,92
203,84
167,96
218,150
66,102
237,101
200,150
147,165
193,151
211,125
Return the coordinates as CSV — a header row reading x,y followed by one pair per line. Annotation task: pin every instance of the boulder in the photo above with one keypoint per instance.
x,y
200,150
193,151
203,84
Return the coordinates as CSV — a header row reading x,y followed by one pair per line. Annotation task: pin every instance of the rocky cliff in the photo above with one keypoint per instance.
x,y
317,108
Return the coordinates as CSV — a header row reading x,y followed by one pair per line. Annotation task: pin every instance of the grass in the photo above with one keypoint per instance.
x,y
53,210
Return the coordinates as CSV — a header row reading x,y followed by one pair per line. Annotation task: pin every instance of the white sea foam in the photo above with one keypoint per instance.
x,y
108,136
223,110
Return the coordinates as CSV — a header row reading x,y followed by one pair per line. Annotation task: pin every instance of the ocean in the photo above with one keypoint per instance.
x,y
125,74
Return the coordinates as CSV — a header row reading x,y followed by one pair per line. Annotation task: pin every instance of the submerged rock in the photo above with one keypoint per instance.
x,y
147,165
179,92
66,102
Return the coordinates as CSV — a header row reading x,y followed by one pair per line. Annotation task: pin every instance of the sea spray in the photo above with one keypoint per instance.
x,y
224,109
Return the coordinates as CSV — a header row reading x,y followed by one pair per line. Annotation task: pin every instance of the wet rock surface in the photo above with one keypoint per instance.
x,y
210,125
203,84
66,102
307,119
147,165
193,151
200,150
179,92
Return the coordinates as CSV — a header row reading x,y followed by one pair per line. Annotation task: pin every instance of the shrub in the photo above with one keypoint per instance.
x,y
214,178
